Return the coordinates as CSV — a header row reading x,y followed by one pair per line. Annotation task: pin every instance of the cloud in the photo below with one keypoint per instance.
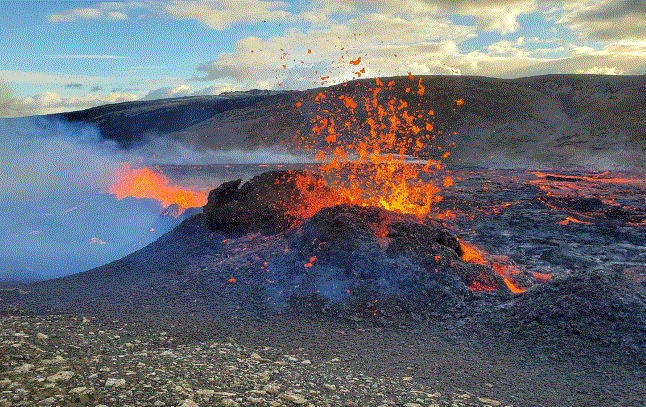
x,y
603,70
73,85
107,11
220,14
609,20
50,102
512,48
325,51
218,88
500,16
168,92
43,78
477,63
183,90
494,15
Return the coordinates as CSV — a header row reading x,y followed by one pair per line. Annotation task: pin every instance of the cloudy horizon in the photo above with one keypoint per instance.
x,y
64,56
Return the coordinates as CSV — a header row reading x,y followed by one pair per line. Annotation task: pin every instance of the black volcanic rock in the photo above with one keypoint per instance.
x,y
350,254
603,304
574,203
270,202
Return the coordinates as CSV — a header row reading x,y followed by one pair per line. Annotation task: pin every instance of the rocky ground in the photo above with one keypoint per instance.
x,y
59,360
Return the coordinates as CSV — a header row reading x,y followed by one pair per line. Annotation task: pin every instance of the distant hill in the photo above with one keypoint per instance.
x,y
551,120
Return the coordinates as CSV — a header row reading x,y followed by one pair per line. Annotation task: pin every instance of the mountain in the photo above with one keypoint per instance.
x,y
551,120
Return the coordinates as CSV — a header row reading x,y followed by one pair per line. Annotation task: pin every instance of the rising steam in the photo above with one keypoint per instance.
x,y
57,213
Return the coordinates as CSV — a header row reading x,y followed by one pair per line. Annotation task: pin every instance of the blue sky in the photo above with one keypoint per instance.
x,y
60,56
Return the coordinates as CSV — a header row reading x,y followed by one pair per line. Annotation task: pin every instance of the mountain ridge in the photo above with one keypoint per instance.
x,y
549,120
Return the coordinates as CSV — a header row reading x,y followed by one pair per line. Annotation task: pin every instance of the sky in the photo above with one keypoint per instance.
x,y
58,56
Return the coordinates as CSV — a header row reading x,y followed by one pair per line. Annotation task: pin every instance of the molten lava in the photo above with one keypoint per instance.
x,y
471,255
145,183
372,144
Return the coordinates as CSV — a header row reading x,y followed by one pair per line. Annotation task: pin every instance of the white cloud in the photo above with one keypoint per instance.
x,y
217,88
499,16
627,48
105,11
183,90
168,92
77,14
298,58
50,102
512,48
493,15
603,70
51,79
608,20
220,14
477,63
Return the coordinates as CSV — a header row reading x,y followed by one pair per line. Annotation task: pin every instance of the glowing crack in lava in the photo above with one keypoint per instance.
x,y
145,183
473,255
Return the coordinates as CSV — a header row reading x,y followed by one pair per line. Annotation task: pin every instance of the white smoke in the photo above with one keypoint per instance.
x,y
58,220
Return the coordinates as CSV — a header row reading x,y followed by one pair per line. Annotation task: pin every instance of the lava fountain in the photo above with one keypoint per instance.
x,y
370,146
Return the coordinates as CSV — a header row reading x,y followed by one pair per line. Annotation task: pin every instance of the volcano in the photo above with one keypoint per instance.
x,y
526,284
285,240
282,258
304,249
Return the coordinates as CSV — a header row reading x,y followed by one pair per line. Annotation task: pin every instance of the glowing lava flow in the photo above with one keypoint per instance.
x,y
144,183
471,255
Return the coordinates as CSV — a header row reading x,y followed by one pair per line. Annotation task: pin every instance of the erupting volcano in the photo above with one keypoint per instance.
x,y
377,148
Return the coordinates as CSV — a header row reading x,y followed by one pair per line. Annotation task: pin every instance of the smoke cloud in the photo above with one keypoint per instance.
x,y
57,216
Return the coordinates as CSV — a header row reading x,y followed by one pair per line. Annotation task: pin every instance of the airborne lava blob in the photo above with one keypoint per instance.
x,y
369,142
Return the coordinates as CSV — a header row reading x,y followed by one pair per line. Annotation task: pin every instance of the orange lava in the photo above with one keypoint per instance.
x,y
542,277
471,255
565,178
569,219
372,168
145,183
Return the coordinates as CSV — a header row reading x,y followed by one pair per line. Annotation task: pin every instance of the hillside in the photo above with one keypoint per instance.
x,y
552,120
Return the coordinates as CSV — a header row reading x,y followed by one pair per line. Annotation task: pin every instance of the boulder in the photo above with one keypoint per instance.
x,y
271,202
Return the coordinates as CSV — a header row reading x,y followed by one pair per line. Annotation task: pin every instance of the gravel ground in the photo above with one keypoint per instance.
x,y
59,360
